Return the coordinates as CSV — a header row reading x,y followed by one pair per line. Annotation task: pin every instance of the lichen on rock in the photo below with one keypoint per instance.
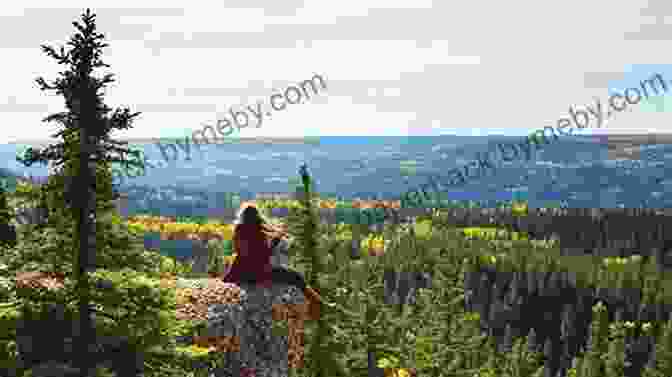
x,y
251,320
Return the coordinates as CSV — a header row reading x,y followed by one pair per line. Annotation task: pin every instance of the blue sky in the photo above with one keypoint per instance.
x,y
392,67
654,112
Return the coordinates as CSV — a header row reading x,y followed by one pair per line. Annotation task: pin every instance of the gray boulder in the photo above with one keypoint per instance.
x,y
251,320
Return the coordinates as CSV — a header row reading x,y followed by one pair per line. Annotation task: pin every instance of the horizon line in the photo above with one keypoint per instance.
x,y
313,139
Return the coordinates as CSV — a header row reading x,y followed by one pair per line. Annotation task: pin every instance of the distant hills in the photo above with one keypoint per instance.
x,y
8,173
9,179
627,146
620,146
275,140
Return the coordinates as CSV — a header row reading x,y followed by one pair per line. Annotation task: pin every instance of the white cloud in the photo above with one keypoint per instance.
x,y
392,67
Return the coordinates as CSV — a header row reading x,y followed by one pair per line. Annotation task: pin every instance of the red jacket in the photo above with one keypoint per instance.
x,y
254,256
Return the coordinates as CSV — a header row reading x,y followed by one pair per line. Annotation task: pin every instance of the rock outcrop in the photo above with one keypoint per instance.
x,y
239,327
243,331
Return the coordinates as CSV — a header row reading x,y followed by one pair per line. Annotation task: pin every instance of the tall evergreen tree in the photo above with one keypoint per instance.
x,y
84,155
7,231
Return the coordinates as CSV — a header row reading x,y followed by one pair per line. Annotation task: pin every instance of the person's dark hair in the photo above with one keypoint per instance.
x,y
250,215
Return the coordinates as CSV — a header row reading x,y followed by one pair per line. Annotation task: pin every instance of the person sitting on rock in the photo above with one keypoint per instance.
x,y
253,264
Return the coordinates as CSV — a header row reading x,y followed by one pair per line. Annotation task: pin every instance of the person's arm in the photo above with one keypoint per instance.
x,y
274,232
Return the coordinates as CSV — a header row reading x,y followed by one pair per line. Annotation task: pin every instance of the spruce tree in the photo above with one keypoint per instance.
x,y
7,231
83,156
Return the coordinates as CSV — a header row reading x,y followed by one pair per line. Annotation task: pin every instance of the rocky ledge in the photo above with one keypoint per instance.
x,y
239,322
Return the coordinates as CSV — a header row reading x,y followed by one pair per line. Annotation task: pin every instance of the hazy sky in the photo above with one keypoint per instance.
x,y
391,67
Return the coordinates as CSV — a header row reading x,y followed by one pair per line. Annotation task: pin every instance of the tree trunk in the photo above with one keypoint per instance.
x,y
86,335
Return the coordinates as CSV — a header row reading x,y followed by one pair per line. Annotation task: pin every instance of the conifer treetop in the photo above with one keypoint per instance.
x,y
81,91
